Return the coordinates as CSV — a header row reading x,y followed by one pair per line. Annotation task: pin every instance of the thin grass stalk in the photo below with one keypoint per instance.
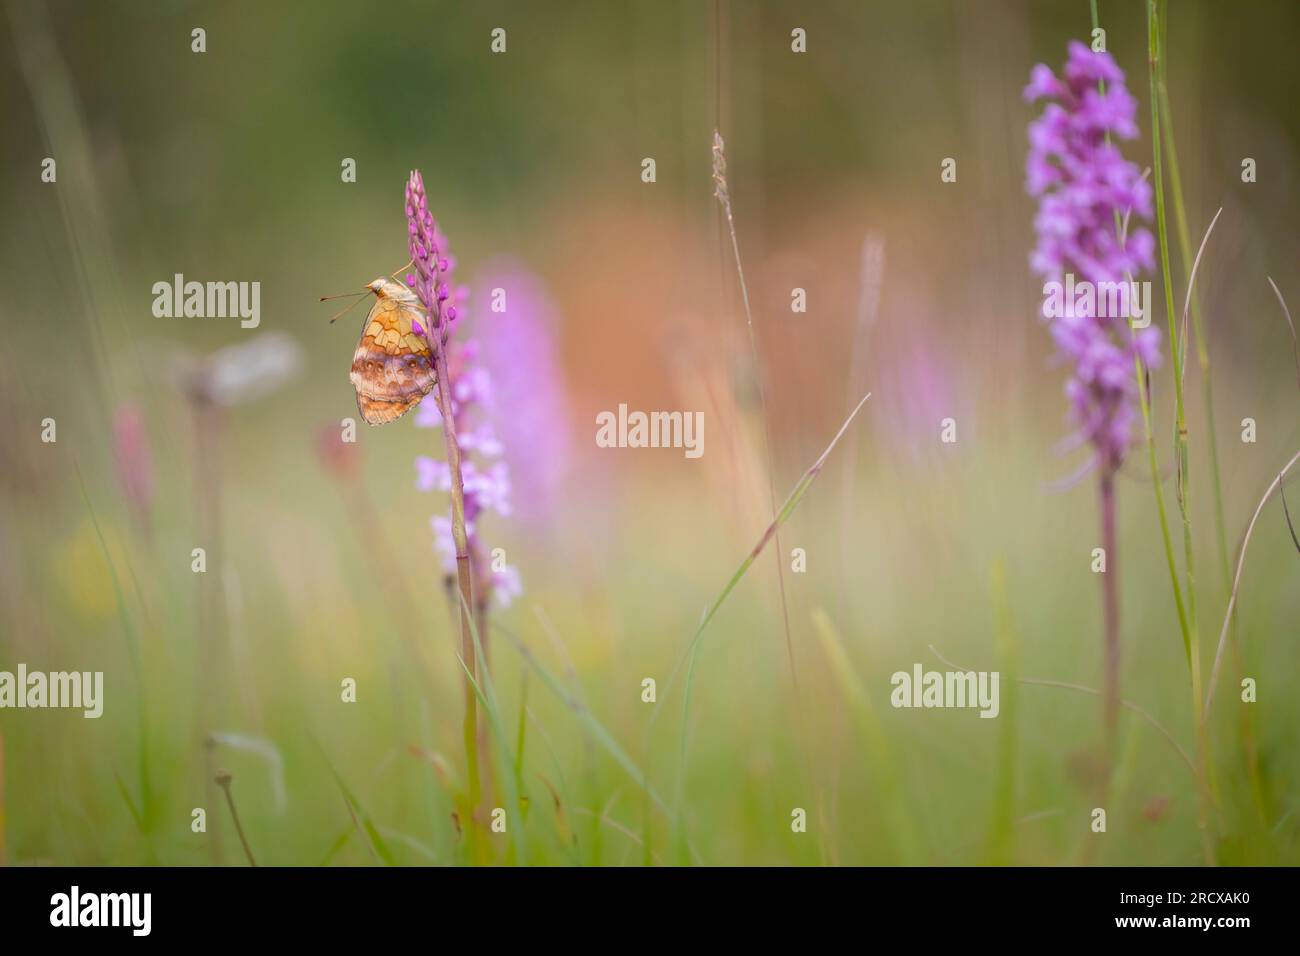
x,y
688,655
599,733
1290,324
1188,304
1144,398
1207,389
223,779
1198,325
791,502
1082,689
485,690
1144,401
362,822
1236,584
723,195
724,198
1177,349
480,618
1002,830
1247,718
1176,344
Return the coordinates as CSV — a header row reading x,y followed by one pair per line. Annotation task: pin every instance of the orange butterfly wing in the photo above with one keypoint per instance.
x,y
391,368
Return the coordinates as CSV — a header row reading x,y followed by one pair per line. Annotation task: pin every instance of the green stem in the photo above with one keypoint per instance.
x,y
1176,345
1145,404
1198,326
1177,349
1140,372
1203,360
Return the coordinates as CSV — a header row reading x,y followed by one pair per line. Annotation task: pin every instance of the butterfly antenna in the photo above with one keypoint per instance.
x,y
338,315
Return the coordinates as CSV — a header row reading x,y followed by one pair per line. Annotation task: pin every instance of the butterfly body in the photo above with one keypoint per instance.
x,y
392,368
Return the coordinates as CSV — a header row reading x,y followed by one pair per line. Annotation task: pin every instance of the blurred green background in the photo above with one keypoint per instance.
x,y
225,166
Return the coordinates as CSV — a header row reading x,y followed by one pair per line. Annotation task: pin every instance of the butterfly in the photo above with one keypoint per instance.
x,y
392,368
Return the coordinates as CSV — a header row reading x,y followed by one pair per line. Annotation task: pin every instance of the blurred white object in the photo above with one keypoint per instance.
x,y
241,373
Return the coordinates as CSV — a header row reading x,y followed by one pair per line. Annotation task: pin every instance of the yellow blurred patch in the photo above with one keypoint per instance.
x,y
84,575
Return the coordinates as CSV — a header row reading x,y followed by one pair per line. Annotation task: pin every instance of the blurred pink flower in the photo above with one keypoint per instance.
x,y
915,395
339,458
133,460
518,328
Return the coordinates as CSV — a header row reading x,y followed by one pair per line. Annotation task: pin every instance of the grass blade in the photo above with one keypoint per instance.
x,y
145,816
1295,344
362,819
879,756
1287,512
787,509
1236,583
594,727
485,692
723,196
